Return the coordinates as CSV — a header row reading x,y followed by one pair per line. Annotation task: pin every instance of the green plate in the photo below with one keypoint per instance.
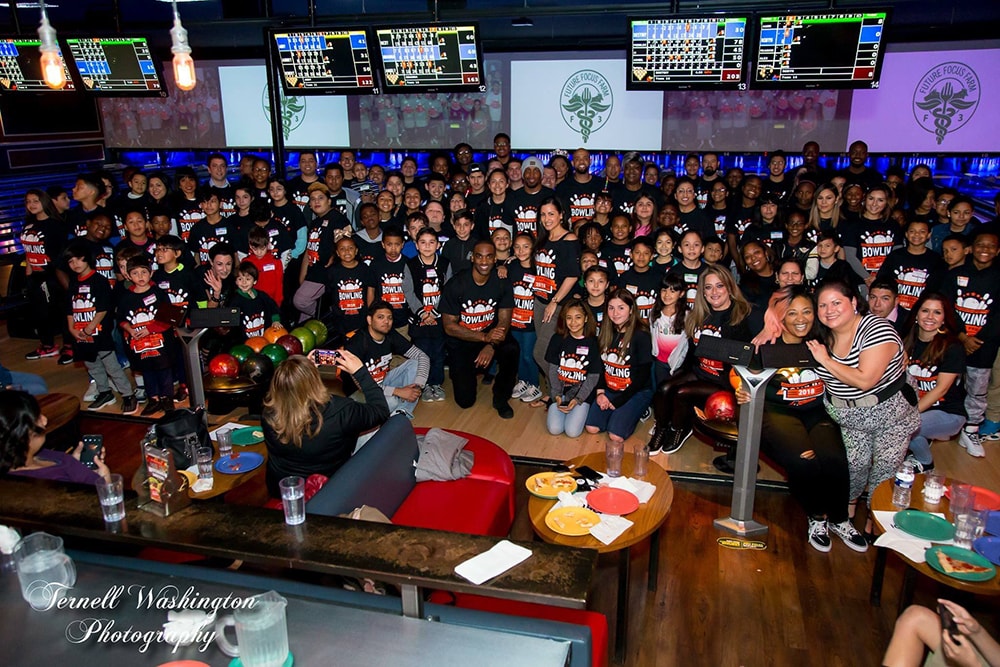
x,y
958,553
923,525
250,435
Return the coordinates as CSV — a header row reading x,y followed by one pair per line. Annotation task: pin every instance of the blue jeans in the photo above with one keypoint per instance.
x,y
620,421
934,425
401,376
527,369
433,347
571,423
29,382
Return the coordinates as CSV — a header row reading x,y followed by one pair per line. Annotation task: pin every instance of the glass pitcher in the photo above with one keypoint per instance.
x,y
43,569
261,632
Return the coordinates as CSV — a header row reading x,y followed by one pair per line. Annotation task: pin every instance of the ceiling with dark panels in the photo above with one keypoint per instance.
x,y
233,28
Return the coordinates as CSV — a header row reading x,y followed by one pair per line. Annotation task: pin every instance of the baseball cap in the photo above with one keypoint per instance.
x,y
475,168
532,163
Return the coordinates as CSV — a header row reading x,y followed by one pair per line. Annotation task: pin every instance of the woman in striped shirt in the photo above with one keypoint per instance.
x,y
866,389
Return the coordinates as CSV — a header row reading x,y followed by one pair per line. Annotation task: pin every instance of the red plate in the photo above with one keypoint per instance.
x,y
982,499
608,500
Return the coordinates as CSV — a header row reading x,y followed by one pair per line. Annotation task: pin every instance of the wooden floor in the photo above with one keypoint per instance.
x,y
784,605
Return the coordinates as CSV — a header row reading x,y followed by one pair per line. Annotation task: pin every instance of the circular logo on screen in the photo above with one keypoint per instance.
x,y
293,112
946,98
586,102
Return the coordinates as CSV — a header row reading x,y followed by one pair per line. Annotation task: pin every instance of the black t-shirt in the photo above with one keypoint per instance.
x,y
554,263
926,376
298,191
868,178
289,217
873,240
522,282
690,278
459,253
623,199
579,197
645,286
575,358
795,389
739,221
227,198
204,235
155,350
491,216
256,312
179,285
911,274
377,356
696,220
320,244
717,324
186,212
627,370
476,306
387,279
43,242
616,258
526,208
89,295
104,260
427,281
347,288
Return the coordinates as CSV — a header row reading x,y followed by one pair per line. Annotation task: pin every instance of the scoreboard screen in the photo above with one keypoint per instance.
x,y
21,67
431,58
687,53
116,66
325,61
833,50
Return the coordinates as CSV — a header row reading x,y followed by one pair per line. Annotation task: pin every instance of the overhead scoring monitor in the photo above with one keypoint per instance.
x,y
431,58
832,50
701,53
325,61
116,65
21,67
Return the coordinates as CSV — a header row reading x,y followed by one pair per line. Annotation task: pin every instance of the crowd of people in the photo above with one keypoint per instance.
x,y
581,293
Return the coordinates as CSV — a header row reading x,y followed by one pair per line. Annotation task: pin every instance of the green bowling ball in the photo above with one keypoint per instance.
x,y
319,330
242,352
275,353
306,337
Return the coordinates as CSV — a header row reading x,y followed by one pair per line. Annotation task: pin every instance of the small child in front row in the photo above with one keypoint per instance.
x,y
258,311
152,343
575,366
428,272
90,304
270,273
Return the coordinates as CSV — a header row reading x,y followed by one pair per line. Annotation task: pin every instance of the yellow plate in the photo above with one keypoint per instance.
x,y
549,484
189,476
573,521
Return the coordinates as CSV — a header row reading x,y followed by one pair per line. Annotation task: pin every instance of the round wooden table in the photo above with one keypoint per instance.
x,y
881,500
647,521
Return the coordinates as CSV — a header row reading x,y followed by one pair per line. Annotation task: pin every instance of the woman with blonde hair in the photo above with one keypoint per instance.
x,y
719,310
308,431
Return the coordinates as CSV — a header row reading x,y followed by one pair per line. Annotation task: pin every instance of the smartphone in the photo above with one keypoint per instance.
x,y
948,621
327,357
93,446
588,473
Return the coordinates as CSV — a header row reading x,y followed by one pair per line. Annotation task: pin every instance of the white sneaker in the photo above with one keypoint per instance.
x,y
532,393
970,440
438,392
819,537
91,393
427,394
519,389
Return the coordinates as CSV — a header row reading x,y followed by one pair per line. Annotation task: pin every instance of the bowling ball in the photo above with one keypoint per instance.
x,y
275,353
721,406
258,368
274,332
241,352
224,366
256,343
319,330
291,344
306,337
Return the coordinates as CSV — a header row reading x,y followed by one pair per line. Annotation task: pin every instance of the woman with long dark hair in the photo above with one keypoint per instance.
x,y
936,366
43,238
557,267
861,362
719,310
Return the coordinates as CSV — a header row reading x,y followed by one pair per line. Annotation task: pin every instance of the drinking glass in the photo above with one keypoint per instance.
x,y
613,453
225,440
112,496
641,465
204,455
43,570
293,499
961,498
933,487
966,525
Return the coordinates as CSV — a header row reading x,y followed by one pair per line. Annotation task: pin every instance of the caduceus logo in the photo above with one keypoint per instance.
x,y
946,98
293,112
586,102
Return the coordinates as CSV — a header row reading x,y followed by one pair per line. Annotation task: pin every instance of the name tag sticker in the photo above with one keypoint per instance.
x,y
583,351
149,300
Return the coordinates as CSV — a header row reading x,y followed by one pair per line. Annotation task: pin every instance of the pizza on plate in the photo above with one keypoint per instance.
x,y
955,566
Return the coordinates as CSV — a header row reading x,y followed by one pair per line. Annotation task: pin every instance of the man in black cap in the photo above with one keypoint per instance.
x,y
529,198
477,184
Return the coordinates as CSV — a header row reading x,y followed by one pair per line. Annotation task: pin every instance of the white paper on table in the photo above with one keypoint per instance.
x,y
639,488
902,542
610,528
489,564
227,427
203,485
567,499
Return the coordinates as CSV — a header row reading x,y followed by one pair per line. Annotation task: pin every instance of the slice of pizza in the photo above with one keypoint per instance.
x,y
955,566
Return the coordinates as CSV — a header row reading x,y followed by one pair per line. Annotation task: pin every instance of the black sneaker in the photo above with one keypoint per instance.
x,y
846,531
504,410
674,440
819,537
129,405
101,400
181,394
488,379
656,442
42,352
152,407
647,413
66,356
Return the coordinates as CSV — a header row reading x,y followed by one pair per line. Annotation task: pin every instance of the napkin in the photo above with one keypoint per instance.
x,y
228,427
203,485
567,499
8,539
907,545
610,528
182,627
640,489
489,564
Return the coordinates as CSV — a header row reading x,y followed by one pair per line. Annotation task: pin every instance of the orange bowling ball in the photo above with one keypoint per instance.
x,y
273,333
735,380
256,343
